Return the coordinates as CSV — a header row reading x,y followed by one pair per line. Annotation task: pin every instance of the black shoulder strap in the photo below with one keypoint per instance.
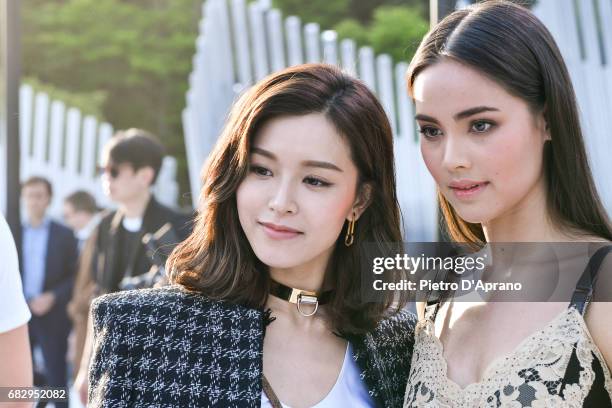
x,y
435,297
584,288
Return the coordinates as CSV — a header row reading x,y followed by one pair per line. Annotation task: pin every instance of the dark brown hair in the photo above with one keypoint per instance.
x,y
217,259
136,147
82,201
507,43
39,180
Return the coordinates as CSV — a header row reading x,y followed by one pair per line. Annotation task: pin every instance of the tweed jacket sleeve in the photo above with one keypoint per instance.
x,y
167,347
384,357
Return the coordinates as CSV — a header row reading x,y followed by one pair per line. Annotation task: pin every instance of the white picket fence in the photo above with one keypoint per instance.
x,y
64,146
239,44
586,44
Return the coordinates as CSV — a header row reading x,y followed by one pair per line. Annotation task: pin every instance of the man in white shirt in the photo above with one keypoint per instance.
x,y
15,357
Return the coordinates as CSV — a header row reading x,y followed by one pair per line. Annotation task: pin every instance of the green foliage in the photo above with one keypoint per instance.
x,y
352,29
325,12
364,10
397,31
393,27
89,103
394,30
138,52
329,13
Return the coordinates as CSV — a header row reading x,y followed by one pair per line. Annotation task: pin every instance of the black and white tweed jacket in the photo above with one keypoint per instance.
x,y
168,347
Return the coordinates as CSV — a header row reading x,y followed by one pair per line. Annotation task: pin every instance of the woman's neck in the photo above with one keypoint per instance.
x,y
309,277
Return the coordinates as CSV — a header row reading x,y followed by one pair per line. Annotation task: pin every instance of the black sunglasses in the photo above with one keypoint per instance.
x,y
112,170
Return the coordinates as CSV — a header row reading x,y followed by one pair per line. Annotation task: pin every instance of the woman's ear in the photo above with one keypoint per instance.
x,y
362,201
544,125
146,175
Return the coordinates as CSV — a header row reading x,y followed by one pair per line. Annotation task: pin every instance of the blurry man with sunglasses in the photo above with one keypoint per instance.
x,y
131,161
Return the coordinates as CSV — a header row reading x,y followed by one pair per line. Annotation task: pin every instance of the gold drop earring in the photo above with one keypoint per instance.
x,y
350,231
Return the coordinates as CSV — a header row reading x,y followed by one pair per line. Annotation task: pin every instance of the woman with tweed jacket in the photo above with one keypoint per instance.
x,y
266,307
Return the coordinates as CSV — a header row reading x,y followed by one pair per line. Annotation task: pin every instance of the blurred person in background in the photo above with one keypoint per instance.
x,y
82,215
16,367
48,262
132,160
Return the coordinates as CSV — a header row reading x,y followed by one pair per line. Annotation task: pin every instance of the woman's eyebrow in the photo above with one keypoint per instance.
x,y
426,118
473,111
321,164
263,152
306,163
461,115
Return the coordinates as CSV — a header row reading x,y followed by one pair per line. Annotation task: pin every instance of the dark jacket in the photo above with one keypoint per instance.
x,y
60,271
168,347
105,263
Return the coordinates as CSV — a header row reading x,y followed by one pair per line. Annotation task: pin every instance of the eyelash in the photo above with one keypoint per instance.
x,y
424,129
312,181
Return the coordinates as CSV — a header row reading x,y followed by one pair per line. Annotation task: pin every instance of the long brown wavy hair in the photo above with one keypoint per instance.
x,y
507,43
217,259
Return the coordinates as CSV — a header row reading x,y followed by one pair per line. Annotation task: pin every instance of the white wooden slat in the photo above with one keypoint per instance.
x,y
405,119
385,87
258,38
218,95
198,96
348,56
241,42
73,133
293,30
223,65
594,102
606,145
192,147
545,12
406,181
88,151
591,81
589,31
414,191
26,100
329,39
41,125
58,116
166,188
276,40
265,5
428,189
105,133
605,11
366,67
558,16
3,171
569,31
311,39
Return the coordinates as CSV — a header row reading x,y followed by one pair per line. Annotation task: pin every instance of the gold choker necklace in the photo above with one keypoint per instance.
x,y
300,297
